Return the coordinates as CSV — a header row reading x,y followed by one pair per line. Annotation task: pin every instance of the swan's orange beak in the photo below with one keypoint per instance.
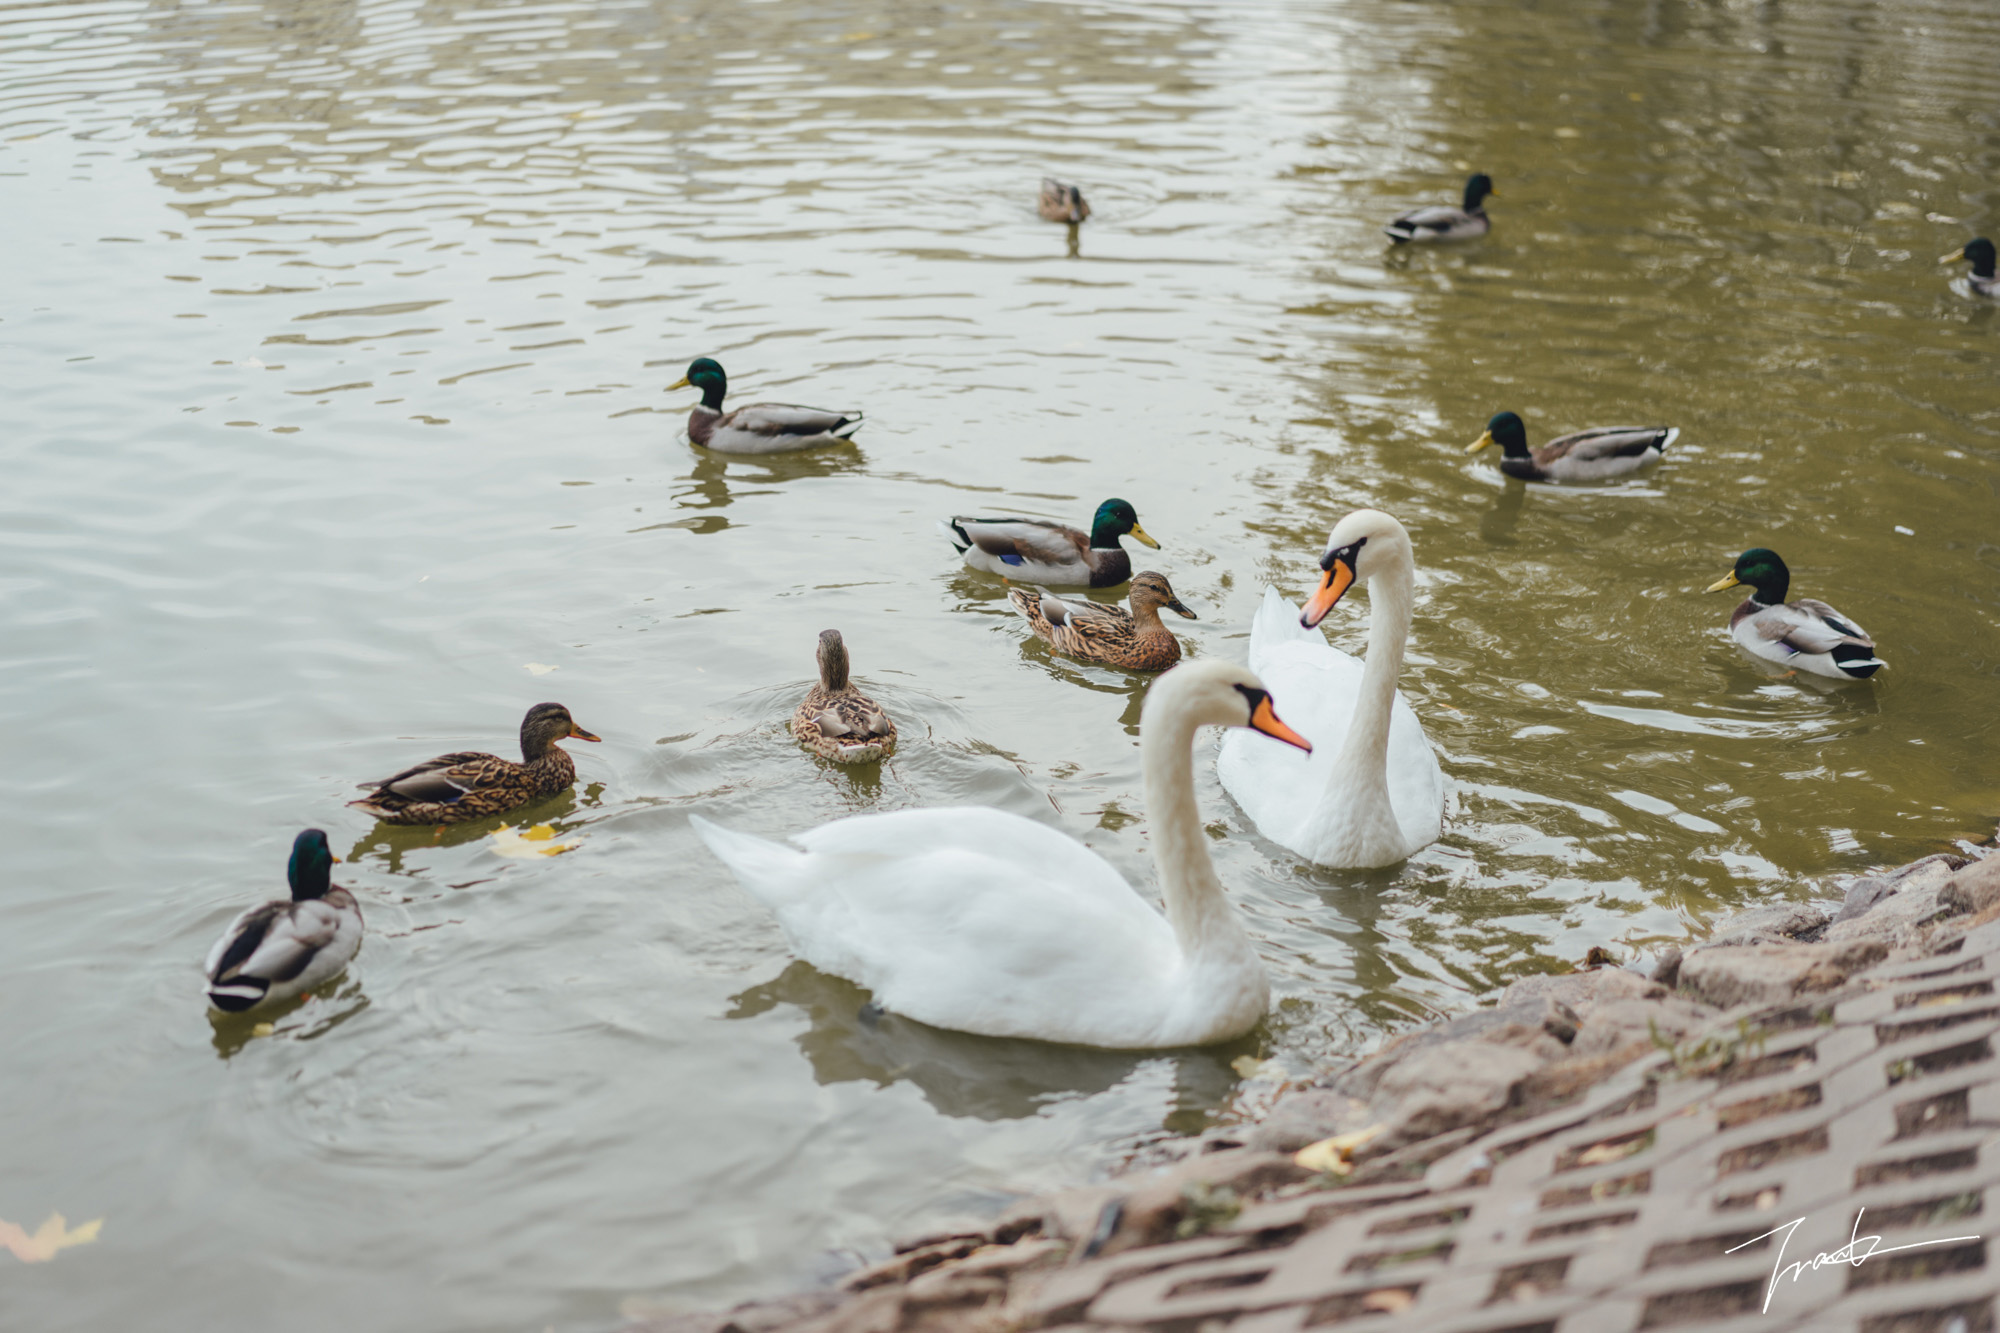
x,y
1331,589
1265,719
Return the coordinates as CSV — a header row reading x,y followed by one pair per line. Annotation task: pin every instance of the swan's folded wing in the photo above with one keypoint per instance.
x,y
1276,622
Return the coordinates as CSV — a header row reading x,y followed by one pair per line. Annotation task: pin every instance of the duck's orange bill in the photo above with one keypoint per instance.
x,y
580,734
1265,719
1331,589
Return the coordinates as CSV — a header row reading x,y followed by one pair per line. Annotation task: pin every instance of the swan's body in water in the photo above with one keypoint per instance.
x,y
1371,793
987,922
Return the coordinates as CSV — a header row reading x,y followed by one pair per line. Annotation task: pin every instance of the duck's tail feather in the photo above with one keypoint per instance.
x,y
1666,441
1856,661
961,541
1399,233
233,997
768,869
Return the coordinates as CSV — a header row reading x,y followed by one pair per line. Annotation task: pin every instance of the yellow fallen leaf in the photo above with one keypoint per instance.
x,y
1334,1154
536,841
51,1236
537,668
262,1029
1246,1066
1389,1300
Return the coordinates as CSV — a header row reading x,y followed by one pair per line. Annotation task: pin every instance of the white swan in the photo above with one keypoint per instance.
x,y
983,921
1371,793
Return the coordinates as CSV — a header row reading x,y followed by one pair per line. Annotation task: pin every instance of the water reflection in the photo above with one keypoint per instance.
x,y
983,1078
317,1014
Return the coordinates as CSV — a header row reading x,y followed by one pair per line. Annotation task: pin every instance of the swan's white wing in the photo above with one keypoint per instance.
x,y
967,918
1313,688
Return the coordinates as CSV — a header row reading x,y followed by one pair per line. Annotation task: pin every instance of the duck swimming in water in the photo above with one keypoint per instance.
x,y
1983,280
1442,222
1597,454
1805,634
760,428
284,947
1037,551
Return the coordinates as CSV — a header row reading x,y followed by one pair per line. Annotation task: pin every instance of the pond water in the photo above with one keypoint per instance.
x,y
335,338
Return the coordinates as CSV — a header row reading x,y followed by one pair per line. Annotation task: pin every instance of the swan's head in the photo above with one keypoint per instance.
x,y
1217,694
1361,546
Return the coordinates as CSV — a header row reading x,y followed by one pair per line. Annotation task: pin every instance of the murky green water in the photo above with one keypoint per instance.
x,y
334,337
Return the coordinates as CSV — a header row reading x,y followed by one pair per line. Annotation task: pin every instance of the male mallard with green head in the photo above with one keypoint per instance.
x,y
1061,203
468,784
286,947
1091,632
1978,252
1442,222
1037,551
837,721
761,428
1806,634
1597,454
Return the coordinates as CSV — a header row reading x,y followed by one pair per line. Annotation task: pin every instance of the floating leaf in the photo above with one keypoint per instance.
x,y
537,668
262,1029
1336,1154
1389,1300
537,841
51,1236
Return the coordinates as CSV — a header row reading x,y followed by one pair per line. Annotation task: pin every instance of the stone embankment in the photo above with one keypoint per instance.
x,y
1604,1149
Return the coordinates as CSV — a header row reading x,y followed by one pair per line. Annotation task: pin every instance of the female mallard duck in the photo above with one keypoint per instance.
x,y
281,949
837,721
987,922
1597,454
467,784
761,428
1042,552
1809,635
1979,253
1090,632
1442,222
1061,203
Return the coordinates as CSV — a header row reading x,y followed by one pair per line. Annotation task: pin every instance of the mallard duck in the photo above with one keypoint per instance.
x,y
1061,203
1041,552
1442,222
1372,794
1979,253
985,921
1597,454
1091,632
837,721
1809,635
761,428
281,949
467,784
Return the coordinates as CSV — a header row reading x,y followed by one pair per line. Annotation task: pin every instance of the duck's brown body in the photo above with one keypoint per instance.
x,y
468,784
837,721
1091,632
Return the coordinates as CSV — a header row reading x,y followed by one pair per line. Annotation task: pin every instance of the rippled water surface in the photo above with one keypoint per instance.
x,y
335,337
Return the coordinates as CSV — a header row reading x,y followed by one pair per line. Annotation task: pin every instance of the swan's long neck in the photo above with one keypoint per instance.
x,y
1361,772
1202,919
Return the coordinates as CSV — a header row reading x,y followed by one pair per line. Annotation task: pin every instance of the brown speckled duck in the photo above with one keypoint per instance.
x,y
1061,203
837,721
466,785
760,428
1090,632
